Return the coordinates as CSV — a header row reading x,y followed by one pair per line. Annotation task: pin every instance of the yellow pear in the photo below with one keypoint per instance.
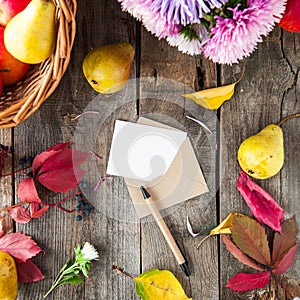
x,y
8,277
30,36
107,68
261,156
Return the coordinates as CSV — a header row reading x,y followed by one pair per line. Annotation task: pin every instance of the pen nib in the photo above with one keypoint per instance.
x,y
145,193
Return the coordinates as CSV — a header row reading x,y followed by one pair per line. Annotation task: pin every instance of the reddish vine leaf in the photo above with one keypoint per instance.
x,y
238,254
263,207
36,210
250,237
27,191
28,271
244,282
20,246
40,159
22,215
57,168
287,260
60,172
283,242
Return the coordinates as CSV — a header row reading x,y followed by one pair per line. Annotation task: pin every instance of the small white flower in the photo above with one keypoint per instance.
x,y
89,252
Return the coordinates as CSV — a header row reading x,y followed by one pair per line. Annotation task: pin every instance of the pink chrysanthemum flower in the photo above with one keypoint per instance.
x,y
184,12
235,38
152,20
190,45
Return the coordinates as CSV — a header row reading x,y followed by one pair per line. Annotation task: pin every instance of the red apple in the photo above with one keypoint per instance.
x,y
12,70
9,8
290,20
1,85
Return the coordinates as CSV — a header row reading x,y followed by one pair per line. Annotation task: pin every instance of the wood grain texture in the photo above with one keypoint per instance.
x,y
6,183
266,93
98,23
269,91
173,74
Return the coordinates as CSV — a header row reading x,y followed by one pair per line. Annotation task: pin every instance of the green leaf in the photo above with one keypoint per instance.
x,y
283,242
159,285
251,238
72,279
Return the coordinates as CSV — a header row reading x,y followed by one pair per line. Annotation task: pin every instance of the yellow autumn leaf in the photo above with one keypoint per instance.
x,y
213,98
223,228
159,285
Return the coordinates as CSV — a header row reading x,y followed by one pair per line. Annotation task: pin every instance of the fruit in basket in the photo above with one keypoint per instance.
x,y
107,68
261,156
9,8
291,18
8,277
30,35
12,70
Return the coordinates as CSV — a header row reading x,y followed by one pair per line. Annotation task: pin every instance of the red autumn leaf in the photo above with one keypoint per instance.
x,y
263,207
283,242
20,214
36,211
27,191
287,260
250,237
28,271
61,180
57,168
42,157
243,282
238,254
19,245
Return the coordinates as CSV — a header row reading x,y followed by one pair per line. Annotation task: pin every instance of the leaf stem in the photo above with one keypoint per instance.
x,y
15,172
287,118
204,239
282,285
121,271
60,276
13,206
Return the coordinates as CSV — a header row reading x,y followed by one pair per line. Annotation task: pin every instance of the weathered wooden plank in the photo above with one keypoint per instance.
x,y
266,92
113,231
290,177
162,63
6,183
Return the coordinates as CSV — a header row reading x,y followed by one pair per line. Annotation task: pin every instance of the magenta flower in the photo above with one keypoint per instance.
x,y
152,20
234,38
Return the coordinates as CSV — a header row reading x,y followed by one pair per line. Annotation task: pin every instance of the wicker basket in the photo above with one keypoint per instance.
x,y
21,100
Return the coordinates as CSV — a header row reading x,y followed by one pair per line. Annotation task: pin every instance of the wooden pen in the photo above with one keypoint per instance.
x,y
165,231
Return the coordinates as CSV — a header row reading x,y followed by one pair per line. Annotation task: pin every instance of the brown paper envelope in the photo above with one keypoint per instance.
x,y
183,180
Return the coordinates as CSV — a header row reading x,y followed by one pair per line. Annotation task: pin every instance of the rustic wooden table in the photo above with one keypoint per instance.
x,y
269,91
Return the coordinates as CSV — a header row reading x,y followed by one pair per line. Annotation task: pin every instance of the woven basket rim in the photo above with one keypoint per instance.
x,y
20,101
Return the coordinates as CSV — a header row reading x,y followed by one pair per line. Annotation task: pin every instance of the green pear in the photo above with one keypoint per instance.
x,y
107,68
30,36
262,155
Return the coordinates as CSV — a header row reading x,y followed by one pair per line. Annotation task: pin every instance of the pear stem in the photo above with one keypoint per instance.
x,y
287,118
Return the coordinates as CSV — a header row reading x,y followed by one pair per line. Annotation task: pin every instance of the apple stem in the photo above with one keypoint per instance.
x,y
5,70
287,118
